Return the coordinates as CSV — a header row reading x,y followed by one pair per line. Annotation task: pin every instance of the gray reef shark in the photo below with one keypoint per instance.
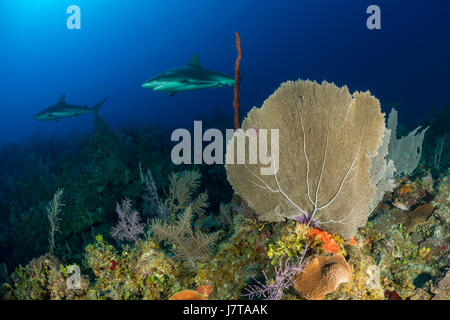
x,y
186,78
64,110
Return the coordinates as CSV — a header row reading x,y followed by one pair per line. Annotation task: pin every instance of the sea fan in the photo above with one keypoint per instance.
x,y
305,219
323,168
188,246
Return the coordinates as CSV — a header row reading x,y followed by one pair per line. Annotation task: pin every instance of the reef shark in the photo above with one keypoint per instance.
x,y
63,110
186,78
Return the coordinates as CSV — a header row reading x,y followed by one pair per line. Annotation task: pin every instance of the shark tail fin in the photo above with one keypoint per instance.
x,y
97,107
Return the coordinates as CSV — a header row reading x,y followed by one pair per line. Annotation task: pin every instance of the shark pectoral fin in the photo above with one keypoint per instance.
x,y
62,99
172,93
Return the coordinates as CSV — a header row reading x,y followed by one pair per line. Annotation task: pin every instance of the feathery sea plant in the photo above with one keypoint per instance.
x,y
182,186
129,226
152,203
187,245
438,152
226,214
53,210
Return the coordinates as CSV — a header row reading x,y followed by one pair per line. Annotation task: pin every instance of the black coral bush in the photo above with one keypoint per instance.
x,y
182,187
129,226
187,245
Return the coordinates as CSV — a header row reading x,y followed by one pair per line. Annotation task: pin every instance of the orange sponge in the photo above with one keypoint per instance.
x,y
187,295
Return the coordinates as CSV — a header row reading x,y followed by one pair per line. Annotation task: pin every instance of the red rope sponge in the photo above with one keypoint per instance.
x,y
236,103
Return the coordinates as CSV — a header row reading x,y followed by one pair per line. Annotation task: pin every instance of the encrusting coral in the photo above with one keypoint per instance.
x,y
139,272
399,254
418,216
325,138
46,278
322,275
442,288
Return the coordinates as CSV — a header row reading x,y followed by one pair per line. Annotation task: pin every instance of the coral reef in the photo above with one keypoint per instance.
x,y
236,260
46,278
285,276
140,272
442,288
219,245
411,246
383,261
417,217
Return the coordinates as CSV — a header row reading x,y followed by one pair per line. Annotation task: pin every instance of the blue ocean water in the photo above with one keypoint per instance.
x,y
123,43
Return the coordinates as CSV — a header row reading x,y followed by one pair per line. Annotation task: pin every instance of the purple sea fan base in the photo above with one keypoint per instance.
x,y
304,219
285,276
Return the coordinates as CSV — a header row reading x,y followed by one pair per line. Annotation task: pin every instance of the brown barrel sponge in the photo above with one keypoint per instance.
x,y
322,275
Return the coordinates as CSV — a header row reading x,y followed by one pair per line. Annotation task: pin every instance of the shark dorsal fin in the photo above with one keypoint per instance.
x,y
195,61
62,99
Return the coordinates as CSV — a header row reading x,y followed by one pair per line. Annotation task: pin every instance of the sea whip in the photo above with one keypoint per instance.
x,y
236,103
